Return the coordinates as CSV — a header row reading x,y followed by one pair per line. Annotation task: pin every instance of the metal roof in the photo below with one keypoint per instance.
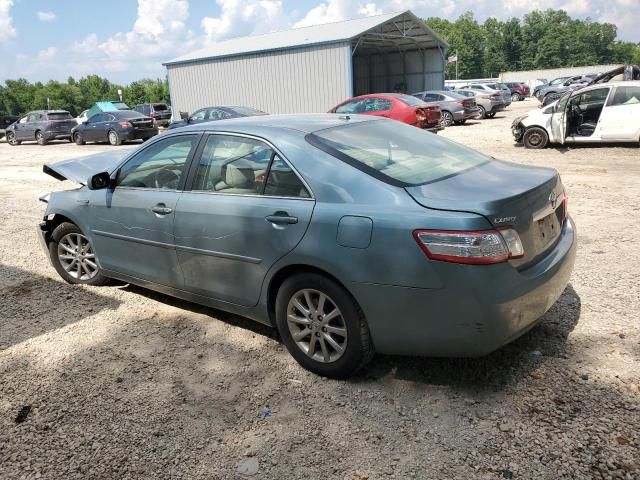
x,y
388,32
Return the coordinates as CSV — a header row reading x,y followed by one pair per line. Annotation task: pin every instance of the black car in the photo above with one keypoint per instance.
x,y
41,126
160,112
5,121
211,114
115,127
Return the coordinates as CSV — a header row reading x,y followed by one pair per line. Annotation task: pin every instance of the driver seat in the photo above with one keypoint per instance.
x,y
586,129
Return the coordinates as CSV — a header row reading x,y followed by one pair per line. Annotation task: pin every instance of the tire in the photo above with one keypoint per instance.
x,y
515,97
446,119
11,139
78,139
483,112
40,138
460,122
325,359
535,138
491,115
64,256
114,138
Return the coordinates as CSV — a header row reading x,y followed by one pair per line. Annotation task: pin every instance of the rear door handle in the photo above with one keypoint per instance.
x,y
161,209
281,218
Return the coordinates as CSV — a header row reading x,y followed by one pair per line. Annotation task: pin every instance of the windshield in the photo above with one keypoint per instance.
x,y
160,106
396,153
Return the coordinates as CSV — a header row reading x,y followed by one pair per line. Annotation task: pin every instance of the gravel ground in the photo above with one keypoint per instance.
x,y
124,383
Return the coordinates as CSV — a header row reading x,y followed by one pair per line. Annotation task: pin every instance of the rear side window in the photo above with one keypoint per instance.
x,y
626,96
396,153
283,182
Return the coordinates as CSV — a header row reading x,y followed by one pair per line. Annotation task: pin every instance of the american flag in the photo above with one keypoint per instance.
x,y
452,58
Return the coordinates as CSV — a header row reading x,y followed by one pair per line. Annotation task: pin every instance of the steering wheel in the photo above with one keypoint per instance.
x,y
165,178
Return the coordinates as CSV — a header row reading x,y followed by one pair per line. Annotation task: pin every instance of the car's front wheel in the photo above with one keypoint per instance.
x,y
322,326
482,113
114,138
12,140
73,257
535,137
78,139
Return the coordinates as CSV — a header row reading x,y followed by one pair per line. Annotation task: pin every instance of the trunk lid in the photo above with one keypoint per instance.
x,y
527,198
80,169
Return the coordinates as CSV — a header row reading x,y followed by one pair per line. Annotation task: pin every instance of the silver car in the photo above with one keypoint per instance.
x,y
500,88
350,234
454,108
488,103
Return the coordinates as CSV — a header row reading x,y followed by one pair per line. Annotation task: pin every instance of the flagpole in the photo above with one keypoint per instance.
x,y
456,64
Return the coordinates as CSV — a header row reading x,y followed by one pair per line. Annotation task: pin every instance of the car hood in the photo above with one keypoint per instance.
x,y
80,169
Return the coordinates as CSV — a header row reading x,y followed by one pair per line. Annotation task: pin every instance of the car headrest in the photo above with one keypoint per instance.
x,y
238,175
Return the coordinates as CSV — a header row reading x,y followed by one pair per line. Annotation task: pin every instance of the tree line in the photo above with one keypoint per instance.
x,y
541,39
20,96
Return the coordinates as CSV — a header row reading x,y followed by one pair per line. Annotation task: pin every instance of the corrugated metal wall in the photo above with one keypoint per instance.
x,y
419,70
301,80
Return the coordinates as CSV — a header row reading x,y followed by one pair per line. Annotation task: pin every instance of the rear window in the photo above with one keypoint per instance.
x,y
396,153
247,111
60,116
410,100
159,107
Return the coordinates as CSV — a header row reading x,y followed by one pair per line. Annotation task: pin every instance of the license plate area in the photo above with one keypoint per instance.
x,y
547,231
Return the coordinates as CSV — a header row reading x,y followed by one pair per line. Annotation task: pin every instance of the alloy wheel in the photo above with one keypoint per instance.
x,y
113,138
316,325
447,119
77,257
11,138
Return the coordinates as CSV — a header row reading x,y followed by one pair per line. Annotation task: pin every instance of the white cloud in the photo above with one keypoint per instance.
x,y
238,18
46,16
47,53
6,22
337,10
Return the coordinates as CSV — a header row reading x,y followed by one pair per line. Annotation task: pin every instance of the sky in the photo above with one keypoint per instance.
x,y
125,40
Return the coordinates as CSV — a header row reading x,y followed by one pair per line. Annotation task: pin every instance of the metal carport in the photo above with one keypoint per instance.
x,y
311,69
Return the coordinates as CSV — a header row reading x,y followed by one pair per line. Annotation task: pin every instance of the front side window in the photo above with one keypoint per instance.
x,y
396,153
356,106
626,96
161,165
594,96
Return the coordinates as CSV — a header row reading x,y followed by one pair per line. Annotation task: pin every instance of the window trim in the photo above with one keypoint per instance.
x,y
187,163
195,163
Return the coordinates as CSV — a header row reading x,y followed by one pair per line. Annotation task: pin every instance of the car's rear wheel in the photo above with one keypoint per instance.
x,y
535,137
446,119
73,257
114,138
491,115
11,139
515,97
460,122
482,113
322,326
40,138
78,139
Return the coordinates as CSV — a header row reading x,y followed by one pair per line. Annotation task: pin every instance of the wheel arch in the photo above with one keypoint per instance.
x,y
52,221
278,278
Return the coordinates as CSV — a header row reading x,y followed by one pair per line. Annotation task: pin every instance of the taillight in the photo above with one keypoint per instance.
x,y
125,124
481,247
461,102
495,97
421,115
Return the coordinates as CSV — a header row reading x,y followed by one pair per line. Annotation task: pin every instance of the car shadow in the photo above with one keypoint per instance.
x,y
591,146
33,305
506,366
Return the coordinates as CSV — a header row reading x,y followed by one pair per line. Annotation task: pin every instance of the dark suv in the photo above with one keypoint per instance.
x,y
41,126
519,90
160,113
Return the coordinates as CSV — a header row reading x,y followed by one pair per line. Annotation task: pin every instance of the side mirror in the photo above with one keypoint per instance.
x,y
99,181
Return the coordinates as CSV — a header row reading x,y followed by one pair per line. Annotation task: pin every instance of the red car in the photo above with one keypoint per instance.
x,y
398,106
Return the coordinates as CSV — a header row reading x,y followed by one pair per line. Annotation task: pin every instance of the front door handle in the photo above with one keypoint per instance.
x,y
281,218
161,209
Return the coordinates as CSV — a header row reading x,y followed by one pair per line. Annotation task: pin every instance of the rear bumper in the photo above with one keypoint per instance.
x,y
162,122
139,134
57,135
479,308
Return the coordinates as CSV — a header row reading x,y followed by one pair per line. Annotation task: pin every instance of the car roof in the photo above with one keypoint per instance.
x,y
305,123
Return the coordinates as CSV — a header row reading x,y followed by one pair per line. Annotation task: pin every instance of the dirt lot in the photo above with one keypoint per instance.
x,y
125,383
